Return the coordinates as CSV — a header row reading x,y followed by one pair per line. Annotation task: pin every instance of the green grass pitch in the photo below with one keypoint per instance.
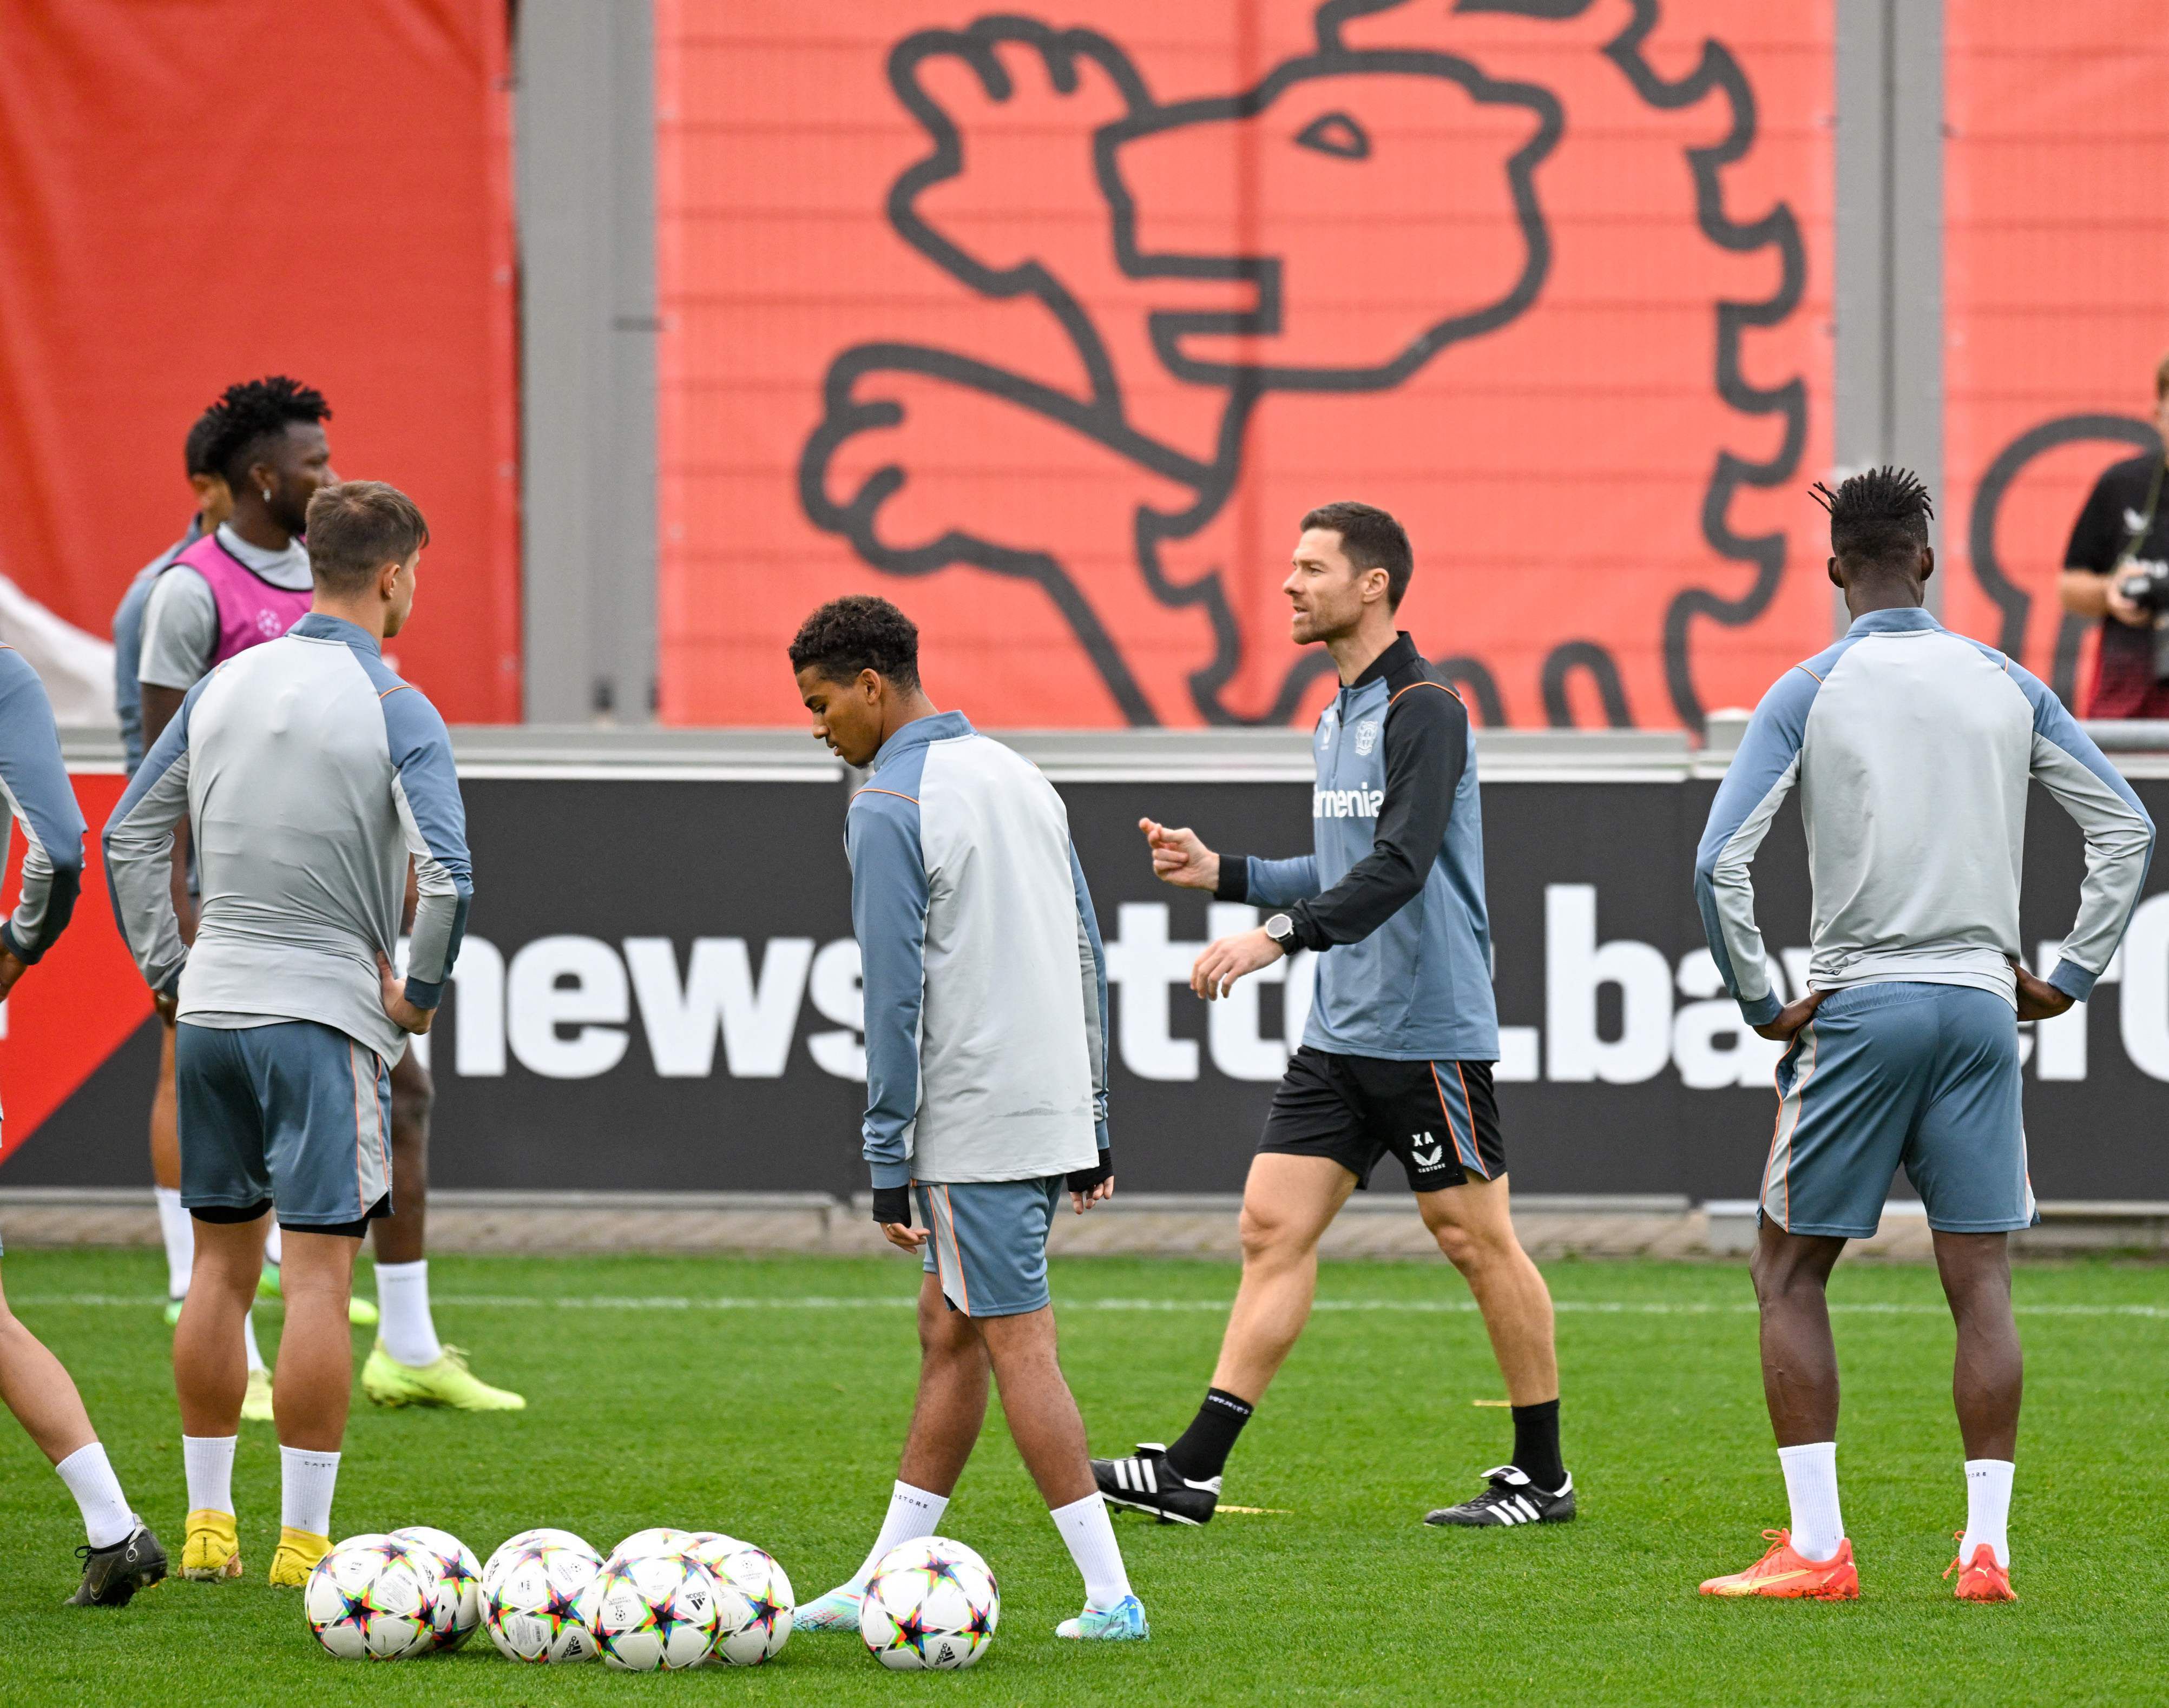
x,y
769,1398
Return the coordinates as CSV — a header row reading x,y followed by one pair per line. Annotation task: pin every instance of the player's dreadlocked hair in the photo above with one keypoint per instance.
x,y
256,410
1880,517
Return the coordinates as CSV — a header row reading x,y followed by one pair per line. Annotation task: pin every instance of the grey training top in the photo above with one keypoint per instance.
x,y
34,784
309,774
180,623
128,641
1912,748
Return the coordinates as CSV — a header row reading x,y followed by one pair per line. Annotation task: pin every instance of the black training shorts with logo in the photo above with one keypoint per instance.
x,y
1440,1118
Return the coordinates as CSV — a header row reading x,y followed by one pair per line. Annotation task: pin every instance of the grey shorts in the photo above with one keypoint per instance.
x,y
295,1114
989,1243
1925,1076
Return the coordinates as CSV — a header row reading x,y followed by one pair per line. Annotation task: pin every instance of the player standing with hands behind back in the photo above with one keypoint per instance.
x,y
1403,1031
986,1024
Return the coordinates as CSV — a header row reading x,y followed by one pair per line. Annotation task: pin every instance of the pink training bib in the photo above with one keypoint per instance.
x,y
251,610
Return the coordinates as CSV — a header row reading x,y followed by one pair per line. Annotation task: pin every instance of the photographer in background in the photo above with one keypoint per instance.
x,y
2117,568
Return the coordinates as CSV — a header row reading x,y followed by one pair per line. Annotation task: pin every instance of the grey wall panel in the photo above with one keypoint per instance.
x,y
1889,283
584,142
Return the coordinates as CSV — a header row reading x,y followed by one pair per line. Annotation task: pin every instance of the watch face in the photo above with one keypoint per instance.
x,y
1280,928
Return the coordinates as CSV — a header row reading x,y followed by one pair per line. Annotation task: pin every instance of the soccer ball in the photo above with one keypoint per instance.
x,y
652,1611
369,1599
459,1581
531,1594
754,1601
661,1539
931,1603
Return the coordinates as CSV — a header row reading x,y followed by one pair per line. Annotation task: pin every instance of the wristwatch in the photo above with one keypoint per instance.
x,y
1281,929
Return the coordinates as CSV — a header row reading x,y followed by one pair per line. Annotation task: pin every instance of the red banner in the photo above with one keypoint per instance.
x,y
80,1004
194,194
2056,297
1051,331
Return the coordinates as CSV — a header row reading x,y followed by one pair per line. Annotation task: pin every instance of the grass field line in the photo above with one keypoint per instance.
x,y
820,1301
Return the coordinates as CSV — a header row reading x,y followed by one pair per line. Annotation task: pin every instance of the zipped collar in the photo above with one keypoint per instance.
x,y
319,626
1901,619
1398,656
939,727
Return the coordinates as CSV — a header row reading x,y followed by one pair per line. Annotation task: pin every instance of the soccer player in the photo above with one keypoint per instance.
x,y
986,1012
214,504
310,776
1911,748
239,586
120,1554
1398,1051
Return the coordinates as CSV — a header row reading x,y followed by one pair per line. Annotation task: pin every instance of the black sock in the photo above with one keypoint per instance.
x,y
1205,1444
1536,1445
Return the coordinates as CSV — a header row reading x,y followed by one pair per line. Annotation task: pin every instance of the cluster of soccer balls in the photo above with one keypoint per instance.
x,y
665,1599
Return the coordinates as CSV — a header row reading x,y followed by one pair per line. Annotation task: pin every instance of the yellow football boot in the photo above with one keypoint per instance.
x,y
299,1550
256,1403
212,1552
447,1382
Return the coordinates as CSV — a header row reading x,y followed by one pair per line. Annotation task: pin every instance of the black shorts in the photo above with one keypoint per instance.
x,y
1440,1118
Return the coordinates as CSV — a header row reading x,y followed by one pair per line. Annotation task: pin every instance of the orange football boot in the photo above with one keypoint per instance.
x,y
1782,1572
1984,1580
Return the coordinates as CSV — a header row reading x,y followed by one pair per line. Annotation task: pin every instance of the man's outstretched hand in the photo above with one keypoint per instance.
x,y
12,967
2038,999
1178,858
1792,1017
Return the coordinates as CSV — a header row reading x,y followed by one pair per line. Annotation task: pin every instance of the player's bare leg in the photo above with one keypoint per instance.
x,y
1473,1225
1799,1356
210,1378
1036,1402
951,1408
312,1391
120,1555
1288,1202
1812,1559
1043,1420
1987,1384
1474,1228
409,1365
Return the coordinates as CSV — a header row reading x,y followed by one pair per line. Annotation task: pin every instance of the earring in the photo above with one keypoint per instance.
x,y
267,495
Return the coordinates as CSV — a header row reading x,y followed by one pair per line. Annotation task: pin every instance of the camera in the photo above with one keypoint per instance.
x,y
2146,585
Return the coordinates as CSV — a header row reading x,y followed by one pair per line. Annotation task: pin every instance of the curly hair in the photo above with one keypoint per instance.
x,y
253,411
857,633
1880,517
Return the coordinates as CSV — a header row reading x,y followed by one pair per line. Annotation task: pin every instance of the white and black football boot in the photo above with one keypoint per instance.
x,y
1147,1483
1509,1497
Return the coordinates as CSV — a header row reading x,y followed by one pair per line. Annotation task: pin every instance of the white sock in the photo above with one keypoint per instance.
x,y
1811,1481
107,1517
1090,1537
1988,1509
912,1513
305,1481
208,1460
403,1321
179,1230
271,1247
248,1343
